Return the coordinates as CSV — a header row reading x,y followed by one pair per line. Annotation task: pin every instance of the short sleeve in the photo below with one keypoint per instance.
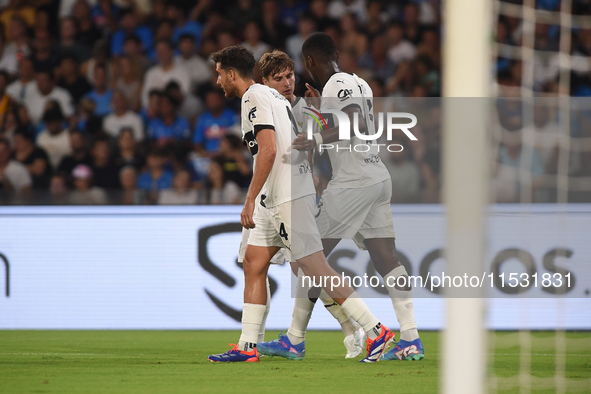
x,y
341,94
258,112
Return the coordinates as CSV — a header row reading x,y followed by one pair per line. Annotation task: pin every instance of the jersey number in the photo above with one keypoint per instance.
x,y
282,232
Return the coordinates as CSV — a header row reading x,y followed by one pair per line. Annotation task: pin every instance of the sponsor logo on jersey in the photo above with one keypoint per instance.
x,y
344,94
252,114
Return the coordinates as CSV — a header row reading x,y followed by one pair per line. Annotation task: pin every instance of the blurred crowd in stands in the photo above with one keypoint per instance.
x,y
116,102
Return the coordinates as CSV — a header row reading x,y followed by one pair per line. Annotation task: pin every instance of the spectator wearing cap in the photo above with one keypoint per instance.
x,y
168,126
45,91
129,25
85,193
20,90
198,68
181,192
122,117
213,124
165,71
105,171
13,175
35,159
71,80
54,139
79,155
101,94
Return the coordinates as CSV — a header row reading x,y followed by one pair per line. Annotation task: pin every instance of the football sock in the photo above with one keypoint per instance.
x,y
403,305
348,325
302,311
356,308
252,316
267,309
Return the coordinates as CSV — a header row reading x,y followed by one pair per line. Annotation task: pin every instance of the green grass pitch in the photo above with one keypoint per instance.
x,y
176,361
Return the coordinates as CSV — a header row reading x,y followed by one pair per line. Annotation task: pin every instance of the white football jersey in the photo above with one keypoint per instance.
x,y
291,175
352,169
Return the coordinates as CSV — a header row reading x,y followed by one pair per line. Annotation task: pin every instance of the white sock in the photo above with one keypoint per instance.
x,y
252,316
261,337
348,325
356,308
403,306
302,311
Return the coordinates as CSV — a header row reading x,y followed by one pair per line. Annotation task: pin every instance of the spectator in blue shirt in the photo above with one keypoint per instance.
x,y
213,124
177,13
101,94
129,25
156,177
168,126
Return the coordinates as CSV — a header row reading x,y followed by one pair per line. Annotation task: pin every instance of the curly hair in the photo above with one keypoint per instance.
x,y
236,58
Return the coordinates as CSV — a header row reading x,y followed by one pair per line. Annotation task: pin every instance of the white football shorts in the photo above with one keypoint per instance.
x,y
290,225
356,213
279,257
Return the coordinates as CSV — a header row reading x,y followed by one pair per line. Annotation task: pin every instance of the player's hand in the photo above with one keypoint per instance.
x,y
246,216
312,96
302,143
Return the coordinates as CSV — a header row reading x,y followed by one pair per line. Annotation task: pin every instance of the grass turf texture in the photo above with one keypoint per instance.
x,y
176,361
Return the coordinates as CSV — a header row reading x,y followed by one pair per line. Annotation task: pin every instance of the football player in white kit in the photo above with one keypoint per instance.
x,y
285,215
356,202
277,72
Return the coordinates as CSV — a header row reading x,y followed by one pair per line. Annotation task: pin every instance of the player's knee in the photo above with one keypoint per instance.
x,y
252,268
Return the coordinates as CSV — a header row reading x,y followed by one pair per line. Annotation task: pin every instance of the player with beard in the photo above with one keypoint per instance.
x,y
285,216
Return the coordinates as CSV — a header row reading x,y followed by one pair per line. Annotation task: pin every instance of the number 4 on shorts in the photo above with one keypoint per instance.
x,y
282,232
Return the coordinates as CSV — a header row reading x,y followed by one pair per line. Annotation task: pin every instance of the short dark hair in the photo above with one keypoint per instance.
x,y
236,58
167,41
275,62
186,36
133,37
320,45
